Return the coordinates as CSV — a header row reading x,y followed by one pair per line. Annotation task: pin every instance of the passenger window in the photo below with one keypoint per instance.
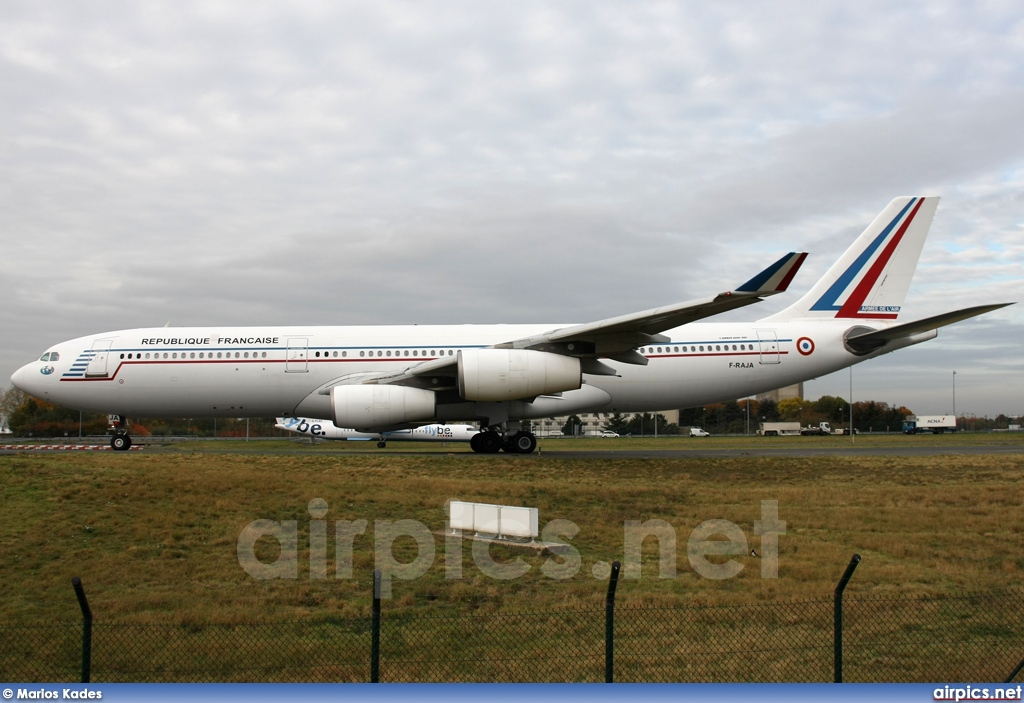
x,y
362,353
174,355
192,355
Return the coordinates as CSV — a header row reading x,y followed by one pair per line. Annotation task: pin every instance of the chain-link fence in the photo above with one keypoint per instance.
x,y
976,637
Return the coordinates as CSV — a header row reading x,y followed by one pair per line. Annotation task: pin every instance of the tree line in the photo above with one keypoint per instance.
x,y
30,417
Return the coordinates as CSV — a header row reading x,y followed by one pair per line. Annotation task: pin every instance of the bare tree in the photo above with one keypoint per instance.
x,y
10,400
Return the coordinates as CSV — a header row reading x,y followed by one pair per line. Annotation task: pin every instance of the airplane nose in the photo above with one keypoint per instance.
x,y
25,378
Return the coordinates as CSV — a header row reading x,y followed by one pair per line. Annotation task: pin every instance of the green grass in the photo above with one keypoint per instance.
x,y
154,534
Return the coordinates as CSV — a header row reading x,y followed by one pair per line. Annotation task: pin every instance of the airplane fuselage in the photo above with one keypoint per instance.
x,y
280,371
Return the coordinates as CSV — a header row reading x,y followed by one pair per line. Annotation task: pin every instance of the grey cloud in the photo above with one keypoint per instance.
x,y
211,163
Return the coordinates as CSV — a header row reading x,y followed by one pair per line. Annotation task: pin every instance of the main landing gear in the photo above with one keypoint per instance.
x,y
121,441
491,442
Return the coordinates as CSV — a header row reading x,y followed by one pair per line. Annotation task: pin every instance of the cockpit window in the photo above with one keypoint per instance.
x,y
45,357
54,356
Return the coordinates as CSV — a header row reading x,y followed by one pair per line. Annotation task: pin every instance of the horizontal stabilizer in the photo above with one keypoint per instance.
x,y
870,341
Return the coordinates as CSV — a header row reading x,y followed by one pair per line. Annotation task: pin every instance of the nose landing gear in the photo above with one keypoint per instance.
x,y
121,441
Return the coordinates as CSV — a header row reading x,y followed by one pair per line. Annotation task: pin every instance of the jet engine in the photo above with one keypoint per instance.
x,y
510,374
372,406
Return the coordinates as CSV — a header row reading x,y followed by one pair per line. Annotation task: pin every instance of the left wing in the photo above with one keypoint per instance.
x,y
618,337
614,338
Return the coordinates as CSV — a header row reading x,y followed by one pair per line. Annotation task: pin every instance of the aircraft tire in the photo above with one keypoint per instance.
x,y
521,443
489,442
120,442
381,445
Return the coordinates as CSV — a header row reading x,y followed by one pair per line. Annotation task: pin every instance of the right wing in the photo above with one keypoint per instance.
x,y
868,342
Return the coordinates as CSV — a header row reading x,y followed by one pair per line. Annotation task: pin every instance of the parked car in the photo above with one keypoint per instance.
x,y
609,433
698,432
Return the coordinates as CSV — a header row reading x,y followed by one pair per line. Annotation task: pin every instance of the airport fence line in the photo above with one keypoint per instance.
x,y
953,638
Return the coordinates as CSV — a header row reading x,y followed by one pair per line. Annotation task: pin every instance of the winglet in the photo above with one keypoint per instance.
x,y
777,277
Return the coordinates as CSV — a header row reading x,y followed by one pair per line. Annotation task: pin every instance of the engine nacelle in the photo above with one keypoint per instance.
x,y
372,406
510,374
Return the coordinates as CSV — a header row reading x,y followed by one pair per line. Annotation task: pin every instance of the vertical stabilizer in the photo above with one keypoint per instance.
x,y
870,280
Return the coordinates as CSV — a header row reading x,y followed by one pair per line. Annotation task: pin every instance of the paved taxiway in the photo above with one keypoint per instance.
x,y
341,449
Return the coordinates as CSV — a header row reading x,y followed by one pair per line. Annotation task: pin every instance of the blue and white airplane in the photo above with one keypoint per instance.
x,y
383,378
325,429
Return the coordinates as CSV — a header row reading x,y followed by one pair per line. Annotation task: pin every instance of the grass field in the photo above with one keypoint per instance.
x,y
154,534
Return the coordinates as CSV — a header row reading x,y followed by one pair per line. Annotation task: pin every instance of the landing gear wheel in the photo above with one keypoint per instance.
x,y
521,443
381,444
486,443
120,442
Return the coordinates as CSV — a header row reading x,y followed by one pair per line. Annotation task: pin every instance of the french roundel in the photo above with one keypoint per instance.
x,y
805,345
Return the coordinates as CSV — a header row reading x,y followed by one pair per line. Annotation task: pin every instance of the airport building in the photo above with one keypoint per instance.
x,y
594,423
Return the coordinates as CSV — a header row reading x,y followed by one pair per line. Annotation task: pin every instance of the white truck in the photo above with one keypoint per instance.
x,y
698,432
936,424
778,429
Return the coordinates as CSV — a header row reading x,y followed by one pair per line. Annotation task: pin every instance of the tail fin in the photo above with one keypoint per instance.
x,y
870,280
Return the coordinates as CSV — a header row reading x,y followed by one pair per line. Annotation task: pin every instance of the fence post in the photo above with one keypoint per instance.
x,y
837,614
83,603
609,625
375,631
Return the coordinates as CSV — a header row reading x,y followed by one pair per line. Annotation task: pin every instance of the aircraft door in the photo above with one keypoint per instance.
x,y
97,366
296,360
768,344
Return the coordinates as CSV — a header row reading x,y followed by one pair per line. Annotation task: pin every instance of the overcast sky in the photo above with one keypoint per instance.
x,y
341,163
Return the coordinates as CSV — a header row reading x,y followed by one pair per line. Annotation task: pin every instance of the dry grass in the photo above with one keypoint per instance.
x,y
153,535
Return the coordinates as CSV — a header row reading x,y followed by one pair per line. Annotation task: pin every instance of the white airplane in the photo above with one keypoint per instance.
x,y
325,429
384,378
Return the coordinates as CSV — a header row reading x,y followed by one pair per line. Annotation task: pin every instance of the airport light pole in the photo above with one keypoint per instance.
x,y
852,440
954,396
